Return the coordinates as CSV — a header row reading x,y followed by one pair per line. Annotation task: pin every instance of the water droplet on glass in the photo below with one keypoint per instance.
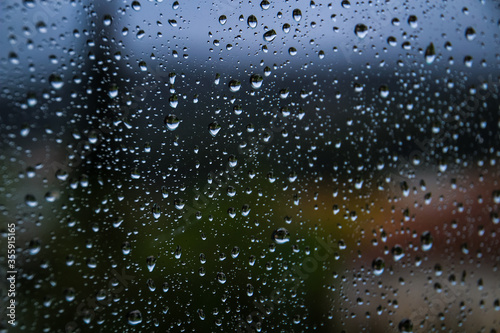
x,y
156,211
56,81
297,15
405,326
151,262
470,33
430,54
292,51
134,317
30,200
397,252
214,128
172,122
412,21
136,5
252,21
384,91
256,81
234,85
270,35
426,241
361,30
280,236
221,277
222,19
378,266
265,4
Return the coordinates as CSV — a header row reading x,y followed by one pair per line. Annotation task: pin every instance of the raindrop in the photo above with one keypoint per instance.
x,y
361,30
214,128
470,33
256,81
136,5
56,81
405,326
172,122
430,54
378,266
156,211
426,240
265,4
270,35
412,21
384,91
221,277
222,19
252,21
297,15
30,200
280,236
234,85
151,262
397,252
134,317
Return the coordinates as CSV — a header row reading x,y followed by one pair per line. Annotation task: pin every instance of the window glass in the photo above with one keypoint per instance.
x,y
250,166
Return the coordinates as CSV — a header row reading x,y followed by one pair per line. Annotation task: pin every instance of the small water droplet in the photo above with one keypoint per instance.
x,y
222,19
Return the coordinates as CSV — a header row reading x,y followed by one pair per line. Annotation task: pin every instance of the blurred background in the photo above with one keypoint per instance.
x,y
227,166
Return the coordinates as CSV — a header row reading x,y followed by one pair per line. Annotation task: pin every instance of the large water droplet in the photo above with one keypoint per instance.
x,y
56,81
134,317
270,35
221,277
234,85
151,262
280,236
136,5
405,326
430,54
470,33
397,252
214,128
256,81
297,14
361,30
252,21
172,122
31,200
378,266
426,240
